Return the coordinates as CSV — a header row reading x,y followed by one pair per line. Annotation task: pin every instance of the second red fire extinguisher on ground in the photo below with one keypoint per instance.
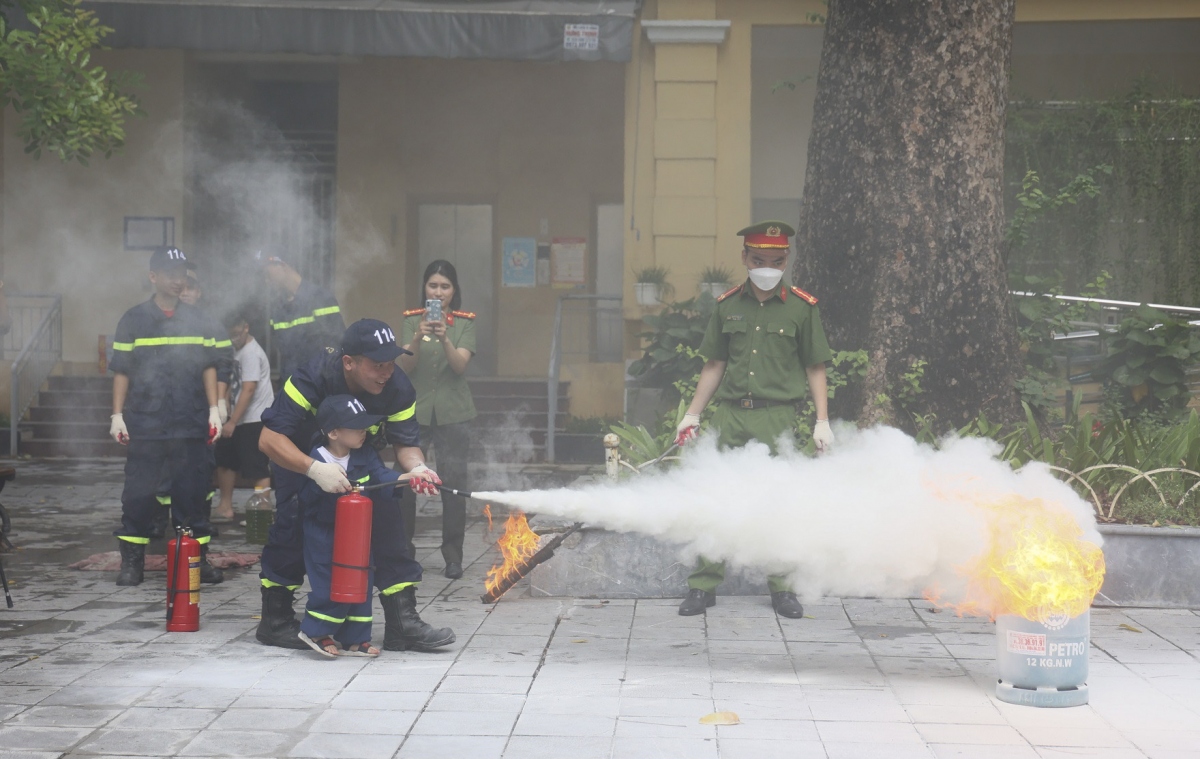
x,y
351,549
183,583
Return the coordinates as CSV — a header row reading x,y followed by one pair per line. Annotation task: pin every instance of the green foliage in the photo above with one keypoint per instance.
x,y
1144,226
716,275
639,445
1032,203
670,354
67,106
1090,441
1148,362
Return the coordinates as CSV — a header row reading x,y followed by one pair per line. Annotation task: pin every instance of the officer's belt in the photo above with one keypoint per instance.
x,y
753,403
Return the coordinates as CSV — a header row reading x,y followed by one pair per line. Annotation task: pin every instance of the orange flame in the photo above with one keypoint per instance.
x,y
487,512
517,545
1037,565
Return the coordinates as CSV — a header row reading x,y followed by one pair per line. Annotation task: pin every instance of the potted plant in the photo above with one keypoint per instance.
x,y
715,280
651,285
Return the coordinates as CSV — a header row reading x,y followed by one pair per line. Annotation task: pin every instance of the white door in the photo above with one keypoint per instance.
x,y
610,273
462,235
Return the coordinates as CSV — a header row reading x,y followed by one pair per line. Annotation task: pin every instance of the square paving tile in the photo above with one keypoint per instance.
x,y
137,742
451,747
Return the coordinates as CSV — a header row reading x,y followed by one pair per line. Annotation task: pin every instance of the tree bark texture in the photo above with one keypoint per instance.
x,y
902,220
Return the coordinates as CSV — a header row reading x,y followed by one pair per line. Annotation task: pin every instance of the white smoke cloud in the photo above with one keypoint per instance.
x,y
880,516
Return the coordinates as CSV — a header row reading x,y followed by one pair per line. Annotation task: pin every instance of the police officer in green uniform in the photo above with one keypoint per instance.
x,y
763,350
440,350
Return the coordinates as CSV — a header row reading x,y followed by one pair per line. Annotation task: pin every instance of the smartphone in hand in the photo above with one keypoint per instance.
x,y
433,310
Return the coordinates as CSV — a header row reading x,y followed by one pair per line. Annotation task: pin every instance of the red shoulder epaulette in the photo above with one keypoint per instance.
x,y
463,314
730,291
810,299
414,312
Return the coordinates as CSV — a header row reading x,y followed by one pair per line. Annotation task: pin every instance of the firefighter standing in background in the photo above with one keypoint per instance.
x,y
305,321
364,367
164,360
764,347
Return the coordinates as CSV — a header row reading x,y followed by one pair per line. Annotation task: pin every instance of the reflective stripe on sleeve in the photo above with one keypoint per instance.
x,y
400,416
298,396
327,312
122,346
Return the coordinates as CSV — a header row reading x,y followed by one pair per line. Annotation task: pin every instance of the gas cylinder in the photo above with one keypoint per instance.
x,y
183,583
351,549
1043,663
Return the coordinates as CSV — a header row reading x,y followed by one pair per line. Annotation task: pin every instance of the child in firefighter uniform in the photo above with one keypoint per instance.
x,y
343,421
764,349
165,355
365,369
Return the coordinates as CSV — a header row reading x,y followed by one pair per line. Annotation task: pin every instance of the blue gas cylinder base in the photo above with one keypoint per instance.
x,y
1044,696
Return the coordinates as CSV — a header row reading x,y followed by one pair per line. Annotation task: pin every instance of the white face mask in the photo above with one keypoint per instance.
x,y
766,279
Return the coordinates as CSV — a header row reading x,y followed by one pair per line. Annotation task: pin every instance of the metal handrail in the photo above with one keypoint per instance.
x,y
51,324
1107,302
556,365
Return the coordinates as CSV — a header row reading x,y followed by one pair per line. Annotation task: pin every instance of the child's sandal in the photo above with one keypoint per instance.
x,y
361,649
322,645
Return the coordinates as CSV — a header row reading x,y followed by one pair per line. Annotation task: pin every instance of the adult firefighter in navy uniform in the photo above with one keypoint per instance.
x,y
306,321
365,368
164,362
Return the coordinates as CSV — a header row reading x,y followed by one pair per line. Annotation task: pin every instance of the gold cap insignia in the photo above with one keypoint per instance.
x,y
773,231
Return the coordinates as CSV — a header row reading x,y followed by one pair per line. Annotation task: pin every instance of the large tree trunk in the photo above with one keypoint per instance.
x,y
902,219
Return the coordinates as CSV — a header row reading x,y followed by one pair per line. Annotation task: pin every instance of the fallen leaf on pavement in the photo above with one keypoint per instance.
x,y
1130,628
720,718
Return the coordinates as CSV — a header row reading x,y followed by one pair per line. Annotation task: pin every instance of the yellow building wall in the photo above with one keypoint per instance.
x,y
537,141
63,228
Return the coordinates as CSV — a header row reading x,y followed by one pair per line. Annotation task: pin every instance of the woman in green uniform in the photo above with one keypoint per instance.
x,y
441,350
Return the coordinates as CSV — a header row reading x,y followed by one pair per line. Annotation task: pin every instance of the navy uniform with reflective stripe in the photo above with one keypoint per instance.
x,y
349,624
166,412
294,414
304,327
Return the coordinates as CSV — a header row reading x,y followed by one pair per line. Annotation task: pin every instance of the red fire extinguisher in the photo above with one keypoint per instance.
x,y
183,583
351,549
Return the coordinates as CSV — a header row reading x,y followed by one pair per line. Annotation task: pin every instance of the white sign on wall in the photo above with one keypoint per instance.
x,y
581,37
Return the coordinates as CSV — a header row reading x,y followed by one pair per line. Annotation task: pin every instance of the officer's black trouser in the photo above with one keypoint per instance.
x,y
283,555
450,442
186,463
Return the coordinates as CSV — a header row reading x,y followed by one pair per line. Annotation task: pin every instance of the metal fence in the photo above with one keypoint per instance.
x,y
587,327
34,344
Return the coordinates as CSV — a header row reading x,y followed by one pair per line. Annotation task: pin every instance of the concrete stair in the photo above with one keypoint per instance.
x,y
71,418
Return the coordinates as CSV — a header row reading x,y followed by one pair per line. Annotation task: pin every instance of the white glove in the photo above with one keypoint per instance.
x,y
223,410
117,430
688,429
329,477
424,480
823,436
214,424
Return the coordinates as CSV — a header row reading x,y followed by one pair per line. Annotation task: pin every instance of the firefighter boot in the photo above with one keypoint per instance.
x,y
696,601
133,563
278,626
209,575
786,604
404,629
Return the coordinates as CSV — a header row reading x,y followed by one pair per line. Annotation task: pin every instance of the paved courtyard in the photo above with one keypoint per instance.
x,y
86,669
